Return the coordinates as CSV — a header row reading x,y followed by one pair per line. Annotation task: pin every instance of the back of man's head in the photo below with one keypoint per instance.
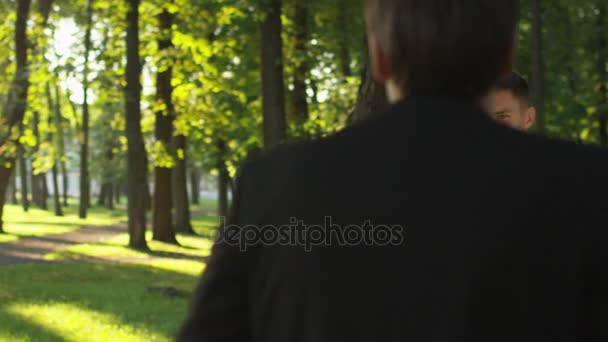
x,y
442,47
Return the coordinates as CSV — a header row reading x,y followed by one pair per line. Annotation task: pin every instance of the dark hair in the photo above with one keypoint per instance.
x,y
517,85
445,47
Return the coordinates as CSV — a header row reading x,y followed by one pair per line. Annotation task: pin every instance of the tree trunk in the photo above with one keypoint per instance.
x,y
60,144
300,98
273,87
38,179
106,193
34,186
25,201
14,200
147,193
5,173
65,183
538,65
180,189
109,201
163,218
18,91
117,193
101,199
45,192
344,30
52,139
371,99
56,195
136,155
223,180
33,179
85,187
195,183
602,61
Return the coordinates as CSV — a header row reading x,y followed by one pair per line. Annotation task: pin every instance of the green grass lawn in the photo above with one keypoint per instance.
x,y
38,222
75,301
204,204
93,302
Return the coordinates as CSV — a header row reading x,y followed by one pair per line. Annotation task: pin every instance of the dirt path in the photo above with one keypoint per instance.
x,y
33,249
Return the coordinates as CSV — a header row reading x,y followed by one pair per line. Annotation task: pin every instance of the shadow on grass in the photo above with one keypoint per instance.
x,y
45,223
118,290
206,225
23,329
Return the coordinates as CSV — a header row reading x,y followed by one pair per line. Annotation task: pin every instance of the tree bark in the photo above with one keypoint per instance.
x,y
163,218
45,191
109,200
101,199
52,139
15,108
60,144
136,155
223,180
180,189
195,182
14,200
38,180
5,173
344,30
25,201
273,87
85,187
538,65
300,98
56,195
117,193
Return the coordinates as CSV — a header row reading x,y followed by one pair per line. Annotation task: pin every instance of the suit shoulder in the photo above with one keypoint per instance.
x,y
323,150
569,151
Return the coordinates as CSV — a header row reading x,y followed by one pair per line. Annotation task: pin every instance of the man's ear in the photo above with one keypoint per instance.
x,y
530,117
380,65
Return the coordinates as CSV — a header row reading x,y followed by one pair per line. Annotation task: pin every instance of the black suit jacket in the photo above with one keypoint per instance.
x,y
504,237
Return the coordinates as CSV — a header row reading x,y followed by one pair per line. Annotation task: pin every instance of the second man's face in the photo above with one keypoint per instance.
x,y
511,111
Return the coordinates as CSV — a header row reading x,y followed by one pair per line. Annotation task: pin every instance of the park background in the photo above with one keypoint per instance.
x,y
124,123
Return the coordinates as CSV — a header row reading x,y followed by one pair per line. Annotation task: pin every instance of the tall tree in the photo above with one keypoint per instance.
x,y
106,194
344,29
25,201
163,220
17,100
538,65
136,154
223,180
60,144
195,182
14,189
52,137
180,187
273,87
84,138
38,180
300,103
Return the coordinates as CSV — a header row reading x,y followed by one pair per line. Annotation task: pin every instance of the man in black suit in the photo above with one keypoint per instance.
x,y
430,178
